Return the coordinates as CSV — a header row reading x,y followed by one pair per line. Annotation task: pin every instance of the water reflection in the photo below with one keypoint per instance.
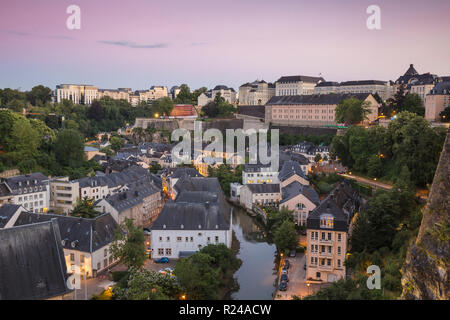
x,y
256,275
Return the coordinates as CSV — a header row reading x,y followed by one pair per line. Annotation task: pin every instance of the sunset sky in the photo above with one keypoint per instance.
x,y
140,43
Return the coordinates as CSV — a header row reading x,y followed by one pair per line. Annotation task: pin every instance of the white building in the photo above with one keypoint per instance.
x,y
260,194
384,88
256,93
63,194
296,85
30,191
259,174
194,220
77,93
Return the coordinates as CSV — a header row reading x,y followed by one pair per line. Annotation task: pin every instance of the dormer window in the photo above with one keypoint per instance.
x,y
327,221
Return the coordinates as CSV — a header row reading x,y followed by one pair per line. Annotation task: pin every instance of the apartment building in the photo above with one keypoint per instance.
x,y
327,229
225,92
296,85
116,94
85,242
30,191
259,174
256,93
312,110
260,194
77,93
299,198
63,194
437,100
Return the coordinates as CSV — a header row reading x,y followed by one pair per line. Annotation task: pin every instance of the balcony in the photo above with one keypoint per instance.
x,y
325,241
325,254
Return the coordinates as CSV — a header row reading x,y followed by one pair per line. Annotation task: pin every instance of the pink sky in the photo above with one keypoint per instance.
x,y
205,43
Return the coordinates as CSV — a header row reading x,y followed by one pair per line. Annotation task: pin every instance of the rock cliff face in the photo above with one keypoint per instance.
x,y
426,269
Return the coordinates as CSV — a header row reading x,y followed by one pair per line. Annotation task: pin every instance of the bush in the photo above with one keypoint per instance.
x,y
119,275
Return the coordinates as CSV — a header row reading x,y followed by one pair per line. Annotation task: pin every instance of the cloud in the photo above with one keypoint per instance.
x,y
135,45
29,34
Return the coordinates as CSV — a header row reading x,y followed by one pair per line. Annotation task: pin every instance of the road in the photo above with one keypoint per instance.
x,y
365,181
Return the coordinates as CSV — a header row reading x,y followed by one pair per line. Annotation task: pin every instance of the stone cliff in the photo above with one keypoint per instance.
x,y
426,269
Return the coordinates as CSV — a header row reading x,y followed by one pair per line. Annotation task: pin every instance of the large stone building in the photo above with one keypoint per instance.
x,y
77,93
116,94
414,82
384,88
225,92
312,110
296,85
256,93
437,100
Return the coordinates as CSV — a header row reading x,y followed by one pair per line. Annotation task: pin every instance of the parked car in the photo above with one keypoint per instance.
x,y
162,260
287,264
169,270
284,271
284,277
283,286
292,253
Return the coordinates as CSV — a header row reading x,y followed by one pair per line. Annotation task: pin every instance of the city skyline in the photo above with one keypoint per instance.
x,y
145,43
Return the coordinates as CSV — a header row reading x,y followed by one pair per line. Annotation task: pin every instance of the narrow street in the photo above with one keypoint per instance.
x,y
368,182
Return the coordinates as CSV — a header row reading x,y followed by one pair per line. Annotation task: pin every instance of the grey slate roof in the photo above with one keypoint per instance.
x,y
328,84
253,111
86,235
300,78
185,172
441,88
6,212
289,169
342,203
332,98
263,188
188,214
362,83
295,188
32,262
24,184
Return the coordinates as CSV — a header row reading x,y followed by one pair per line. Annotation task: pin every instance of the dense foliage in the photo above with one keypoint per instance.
x,y
409,144
218,108
410,102
85,209
287,139
129,245
352,111
207,273
226,175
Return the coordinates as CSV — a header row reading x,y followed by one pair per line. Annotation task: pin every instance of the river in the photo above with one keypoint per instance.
x,y
256,275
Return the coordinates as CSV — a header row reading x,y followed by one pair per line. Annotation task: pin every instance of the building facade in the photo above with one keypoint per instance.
x,y
437,100
77,93
256,93
296,85
260,194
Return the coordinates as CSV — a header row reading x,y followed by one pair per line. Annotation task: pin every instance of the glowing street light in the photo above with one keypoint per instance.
x,y
156,115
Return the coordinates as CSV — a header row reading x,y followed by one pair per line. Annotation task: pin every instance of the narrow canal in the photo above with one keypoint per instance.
x,y
256,275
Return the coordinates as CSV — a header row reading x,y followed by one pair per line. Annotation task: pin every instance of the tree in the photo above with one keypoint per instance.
x,y
413,103
223,259
318,157
374,166
352,111
39,95
155,167
24,140
69,148
285,236
116,143
16,105
85,209
185,95
129,245
198,276
161,107
96,111
211,109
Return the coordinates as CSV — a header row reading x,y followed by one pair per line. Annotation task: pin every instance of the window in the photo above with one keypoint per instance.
x,y
339,263
192,239
160,239
168,239
329,236
82,258
160,252
179,239
327,221
105,263
339,237
339,250
168,252
105,252
72,257
110,259
217,238
317,274
99,266
187,239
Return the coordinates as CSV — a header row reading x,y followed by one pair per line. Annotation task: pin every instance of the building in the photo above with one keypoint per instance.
x,y
259,174
299,198
437,100
183,111
327,229
63,194
309,150
384,88
171,176
174,91
312,110
32,263
204,98
292,171
77,93
260,194
30,191
9,214
140,202
414,82
256,93
296,85
85,242
225,92
91,152
198,216
116,94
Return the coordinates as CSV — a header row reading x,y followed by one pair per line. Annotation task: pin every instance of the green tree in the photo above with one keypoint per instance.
x,y
116,143
198,276
155,167
211,109
285,236
374,166
85,209
185,95
96,111
445,115
39,95
129,245
69,148
352,111
413,103
318,157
